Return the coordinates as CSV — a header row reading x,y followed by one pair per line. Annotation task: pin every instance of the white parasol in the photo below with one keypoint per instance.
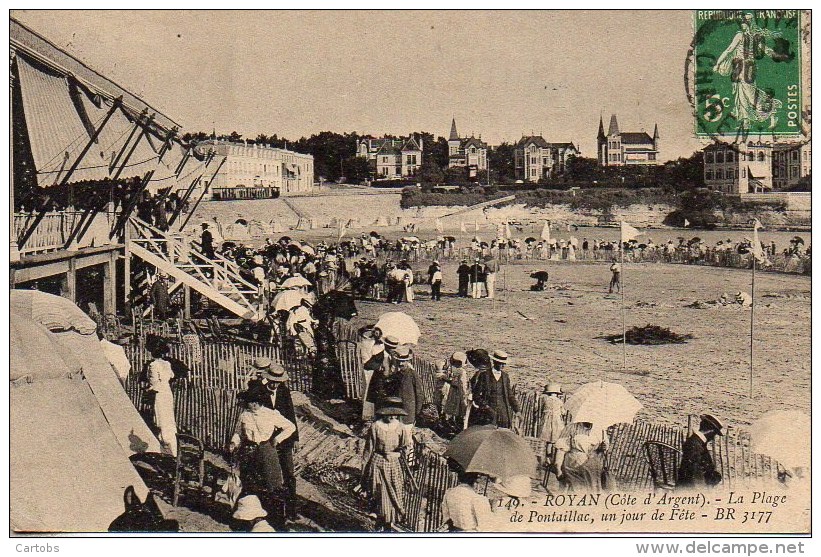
x,y
296,282
783,435
399,325
284,301
602,404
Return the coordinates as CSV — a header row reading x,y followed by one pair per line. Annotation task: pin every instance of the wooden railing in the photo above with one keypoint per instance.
x,y
51,233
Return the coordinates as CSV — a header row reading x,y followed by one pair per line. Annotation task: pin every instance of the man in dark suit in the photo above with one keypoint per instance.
x,y
381,365
697,468
274,379
491,388
463,272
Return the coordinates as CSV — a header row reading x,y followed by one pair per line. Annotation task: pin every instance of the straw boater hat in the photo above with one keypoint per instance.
x,y
390,341
249,508
460,357
553,388
499,356
258,259
269,370
708,421
403,353
392,406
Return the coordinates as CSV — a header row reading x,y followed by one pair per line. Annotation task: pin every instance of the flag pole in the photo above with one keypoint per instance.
x,y
752,324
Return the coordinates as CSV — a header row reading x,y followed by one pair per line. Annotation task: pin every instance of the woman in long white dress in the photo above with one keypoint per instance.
x,y
159,382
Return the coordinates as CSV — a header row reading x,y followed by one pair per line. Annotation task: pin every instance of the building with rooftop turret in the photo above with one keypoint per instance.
x,y
466,152
618,148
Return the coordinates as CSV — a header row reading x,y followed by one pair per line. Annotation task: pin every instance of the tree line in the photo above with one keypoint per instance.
x,y
335,158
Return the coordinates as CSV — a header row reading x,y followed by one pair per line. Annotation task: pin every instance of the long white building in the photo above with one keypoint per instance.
x,y
256,171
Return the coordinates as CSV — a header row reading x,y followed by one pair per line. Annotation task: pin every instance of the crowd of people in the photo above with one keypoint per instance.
x,y
473,387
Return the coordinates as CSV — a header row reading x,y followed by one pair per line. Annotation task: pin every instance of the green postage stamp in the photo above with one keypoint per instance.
x,y
747,73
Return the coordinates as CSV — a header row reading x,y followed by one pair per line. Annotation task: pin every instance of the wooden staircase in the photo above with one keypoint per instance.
x,y
217,279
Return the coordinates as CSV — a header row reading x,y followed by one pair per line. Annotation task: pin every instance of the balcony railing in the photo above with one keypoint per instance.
x,y
54,231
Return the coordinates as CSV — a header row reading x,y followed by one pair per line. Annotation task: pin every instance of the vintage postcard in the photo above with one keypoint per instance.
x,y
433,272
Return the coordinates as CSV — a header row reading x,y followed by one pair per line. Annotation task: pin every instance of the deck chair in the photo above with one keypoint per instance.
x,y
189,474
664,461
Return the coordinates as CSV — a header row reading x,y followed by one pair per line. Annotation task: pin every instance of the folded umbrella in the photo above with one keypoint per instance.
x,y
399,325
783,435
602,404
497,452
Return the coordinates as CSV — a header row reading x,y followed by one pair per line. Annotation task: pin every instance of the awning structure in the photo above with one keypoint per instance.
x,y
84,127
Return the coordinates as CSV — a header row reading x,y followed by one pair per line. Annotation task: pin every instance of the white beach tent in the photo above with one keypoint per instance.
x,y
72,425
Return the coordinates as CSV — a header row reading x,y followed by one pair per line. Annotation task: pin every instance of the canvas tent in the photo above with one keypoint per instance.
x,y
72,426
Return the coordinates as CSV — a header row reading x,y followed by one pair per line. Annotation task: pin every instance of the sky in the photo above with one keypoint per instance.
x,y
500,74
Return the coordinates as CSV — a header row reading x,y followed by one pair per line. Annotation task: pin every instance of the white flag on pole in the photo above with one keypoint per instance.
x,y
686,223
628,232
758,251
546,232
439,227
508,235
462,226
475,225
341,231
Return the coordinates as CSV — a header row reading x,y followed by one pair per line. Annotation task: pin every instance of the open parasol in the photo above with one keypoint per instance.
x,y
602,404
497,452
399,325
783,435
797,240
296,282
284,301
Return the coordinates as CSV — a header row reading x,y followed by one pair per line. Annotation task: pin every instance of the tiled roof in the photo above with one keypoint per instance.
x,y
387,148
411,145
472,141
538,140
635,138
563,145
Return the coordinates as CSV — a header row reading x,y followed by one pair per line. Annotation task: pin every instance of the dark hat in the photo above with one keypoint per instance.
x,y
390,341
156,345
255,393
391,406
710,422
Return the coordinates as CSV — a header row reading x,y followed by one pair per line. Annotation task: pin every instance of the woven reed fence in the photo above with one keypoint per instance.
x,y
205,402
426,490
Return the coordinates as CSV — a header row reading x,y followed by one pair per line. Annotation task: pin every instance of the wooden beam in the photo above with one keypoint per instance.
x,y
143,132
123,220
204,190
186,292
92,140
71,280
183,200
167,143
110,285
136,127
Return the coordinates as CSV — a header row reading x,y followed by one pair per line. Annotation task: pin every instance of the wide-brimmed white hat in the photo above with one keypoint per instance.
x,y
249,508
